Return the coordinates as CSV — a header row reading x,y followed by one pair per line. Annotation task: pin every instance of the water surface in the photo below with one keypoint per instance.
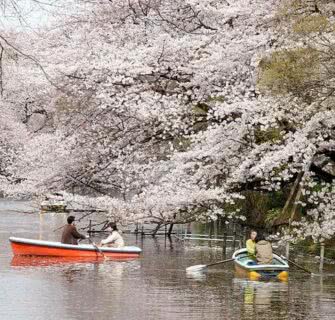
x,y
154,286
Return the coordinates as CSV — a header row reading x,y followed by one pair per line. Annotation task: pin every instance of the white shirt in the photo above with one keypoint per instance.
x,y
114,238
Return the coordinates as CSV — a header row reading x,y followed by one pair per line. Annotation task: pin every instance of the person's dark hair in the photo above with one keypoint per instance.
x,y
260,236
70,219
113,226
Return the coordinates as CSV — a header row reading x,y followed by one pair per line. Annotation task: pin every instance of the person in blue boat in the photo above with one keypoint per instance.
x,y
70,234
114,239
251,245
264,254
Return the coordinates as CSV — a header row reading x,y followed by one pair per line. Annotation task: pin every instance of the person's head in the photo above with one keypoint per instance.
x,y
113,226
70,219
260,237
253,235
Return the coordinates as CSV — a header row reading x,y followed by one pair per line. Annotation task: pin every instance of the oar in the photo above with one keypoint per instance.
x,y
201,267
299,267
97,248
59,228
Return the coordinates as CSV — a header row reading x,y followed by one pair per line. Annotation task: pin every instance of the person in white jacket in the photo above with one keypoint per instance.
x,y
114,239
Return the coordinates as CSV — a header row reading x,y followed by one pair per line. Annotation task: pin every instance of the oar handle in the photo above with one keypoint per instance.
x,y
219,262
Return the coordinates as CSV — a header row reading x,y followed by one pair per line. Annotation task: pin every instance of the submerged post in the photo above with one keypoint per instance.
x,y
224,242
234,235
211,228
170,230
322,256
287,250
244,237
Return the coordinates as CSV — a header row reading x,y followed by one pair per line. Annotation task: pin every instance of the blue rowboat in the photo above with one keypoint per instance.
x,y
245,268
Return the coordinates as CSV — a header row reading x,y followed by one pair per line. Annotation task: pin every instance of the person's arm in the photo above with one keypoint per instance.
x,y
110,239
76,234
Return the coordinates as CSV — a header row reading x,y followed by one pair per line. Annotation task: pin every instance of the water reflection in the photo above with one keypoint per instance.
x,y
200,275
261,296
153,287
32,261
36,261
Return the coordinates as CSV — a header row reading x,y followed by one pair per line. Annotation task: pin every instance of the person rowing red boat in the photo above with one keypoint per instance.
x,y
70,234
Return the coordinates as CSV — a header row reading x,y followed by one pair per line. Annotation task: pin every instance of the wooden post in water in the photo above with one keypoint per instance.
x,y
244,239
234,235
211,228
170,230
287,250
322,256
90,227
224,238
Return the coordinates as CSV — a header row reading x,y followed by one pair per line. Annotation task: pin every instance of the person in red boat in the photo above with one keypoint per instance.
x,y
70,234
114,239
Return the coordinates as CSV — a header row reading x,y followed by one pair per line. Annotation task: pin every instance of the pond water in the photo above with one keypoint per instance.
x,y
155,286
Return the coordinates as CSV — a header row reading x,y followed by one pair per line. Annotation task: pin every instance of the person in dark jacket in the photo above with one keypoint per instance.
x,y
70,234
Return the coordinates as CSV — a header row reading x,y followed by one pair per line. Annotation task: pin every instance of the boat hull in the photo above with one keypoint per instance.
x,y
279,268
29,247
260,274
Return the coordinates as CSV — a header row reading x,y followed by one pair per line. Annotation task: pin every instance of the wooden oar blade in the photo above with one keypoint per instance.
x,y
197,268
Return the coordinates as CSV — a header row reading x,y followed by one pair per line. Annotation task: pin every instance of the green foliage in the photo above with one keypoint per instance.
x,y
289,71
280,169
216,99
181,143
312,24
263,208
268,135
310,247
201,109
272,215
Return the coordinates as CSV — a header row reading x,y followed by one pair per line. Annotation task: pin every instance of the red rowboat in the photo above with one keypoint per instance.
x,y
31,247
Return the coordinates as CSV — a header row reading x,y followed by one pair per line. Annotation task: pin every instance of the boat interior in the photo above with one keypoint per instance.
x,y
244,259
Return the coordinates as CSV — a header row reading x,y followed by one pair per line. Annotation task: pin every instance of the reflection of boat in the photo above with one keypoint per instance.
x,y
244,267
35,261
54,202
260,296
21,246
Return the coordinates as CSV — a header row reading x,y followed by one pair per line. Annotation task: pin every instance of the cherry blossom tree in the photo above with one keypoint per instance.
x,y
169,111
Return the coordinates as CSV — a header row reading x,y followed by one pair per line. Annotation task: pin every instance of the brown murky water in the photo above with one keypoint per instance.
x,y
154,286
